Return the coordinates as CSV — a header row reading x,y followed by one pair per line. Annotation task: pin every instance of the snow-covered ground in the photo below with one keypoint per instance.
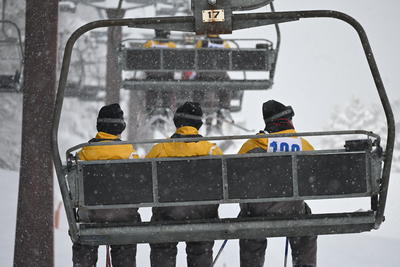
x,y
375,249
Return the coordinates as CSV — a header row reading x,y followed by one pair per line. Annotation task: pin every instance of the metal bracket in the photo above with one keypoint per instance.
x,y
212,18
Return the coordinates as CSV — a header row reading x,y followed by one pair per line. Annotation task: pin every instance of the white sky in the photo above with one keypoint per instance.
x,y
321,63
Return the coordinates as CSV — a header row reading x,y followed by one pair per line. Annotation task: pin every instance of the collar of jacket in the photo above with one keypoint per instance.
x,y
281,132
262,142
187,130
103,135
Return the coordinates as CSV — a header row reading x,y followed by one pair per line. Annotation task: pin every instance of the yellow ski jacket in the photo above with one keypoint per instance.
x,y
107,152
155,44
281,144
184,149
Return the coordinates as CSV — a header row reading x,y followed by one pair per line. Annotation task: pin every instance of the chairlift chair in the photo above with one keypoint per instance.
x,y
362,169
11,80
82,84
136,59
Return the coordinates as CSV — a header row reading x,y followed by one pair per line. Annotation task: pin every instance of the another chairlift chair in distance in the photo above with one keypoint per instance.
x,y
87,80
156,183
136,59
11,57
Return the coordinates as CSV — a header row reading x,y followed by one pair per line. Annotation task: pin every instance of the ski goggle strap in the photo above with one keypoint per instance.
x,y
288,111
110,120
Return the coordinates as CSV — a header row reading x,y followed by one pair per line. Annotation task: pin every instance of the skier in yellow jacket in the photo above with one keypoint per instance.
x,y
188,120
110,125
278,120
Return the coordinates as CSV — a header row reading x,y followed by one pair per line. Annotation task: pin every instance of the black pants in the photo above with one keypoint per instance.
x,y
121,255
252,251
199,254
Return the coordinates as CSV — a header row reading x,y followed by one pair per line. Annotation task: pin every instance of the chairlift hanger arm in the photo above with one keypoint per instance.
x,y
239,21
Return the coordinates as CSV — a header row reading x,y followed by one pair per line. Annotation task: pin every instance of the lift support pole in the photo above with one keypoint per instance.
x,y
113,75
34,239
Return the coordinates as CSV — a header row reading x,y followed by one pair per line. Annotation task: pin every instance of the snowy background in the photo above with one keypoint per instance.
x,y
322,73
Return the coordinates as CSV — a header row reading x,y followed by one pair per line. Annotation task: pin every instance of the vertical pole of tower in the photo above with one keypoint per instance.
x,y
34,228
113,71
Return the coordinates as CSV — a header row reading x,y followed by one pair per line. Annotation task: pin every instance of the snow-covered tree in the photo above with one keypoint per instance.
x,y
357,115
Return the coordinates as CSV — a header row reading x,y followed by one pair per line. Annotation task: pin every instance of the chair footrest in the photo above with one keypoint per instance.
x,y
202,230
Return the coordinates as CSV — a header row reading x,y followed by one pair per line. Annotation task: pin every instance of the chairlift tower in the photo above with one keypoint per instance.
x,y
34,240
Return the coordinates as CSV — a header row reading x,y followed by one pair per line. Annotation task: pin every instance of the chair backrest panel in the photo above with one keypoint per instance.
x,y
203,59
142,59
260,177
249,60
335,174
189,180
117,183
227,179
179,59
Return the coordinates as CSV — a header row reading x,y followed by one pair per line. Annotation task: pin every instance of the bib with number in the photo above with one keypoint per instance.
x,y
285,144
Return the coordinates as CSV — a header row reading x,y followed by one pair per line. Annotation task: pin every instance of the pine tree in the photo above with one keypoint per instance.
x,y
360,116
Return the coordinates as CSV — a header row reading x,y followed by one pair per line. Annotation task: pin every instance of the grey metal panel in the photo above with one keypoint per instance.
x,y
260,178
73,185
179,59
143,59
250,60
214,59
120,183
332,174
249,178
189,180
316,224
201,59
295,176
376,172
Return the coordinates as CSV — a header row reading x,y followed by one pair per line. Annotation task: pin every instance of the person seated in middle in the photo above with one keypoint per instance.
x,y
188,120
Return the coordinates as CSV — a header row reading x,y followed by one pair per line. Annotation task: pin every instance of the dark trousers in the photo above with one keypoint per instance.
x,y
86,256
199,254
121,255
252,251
